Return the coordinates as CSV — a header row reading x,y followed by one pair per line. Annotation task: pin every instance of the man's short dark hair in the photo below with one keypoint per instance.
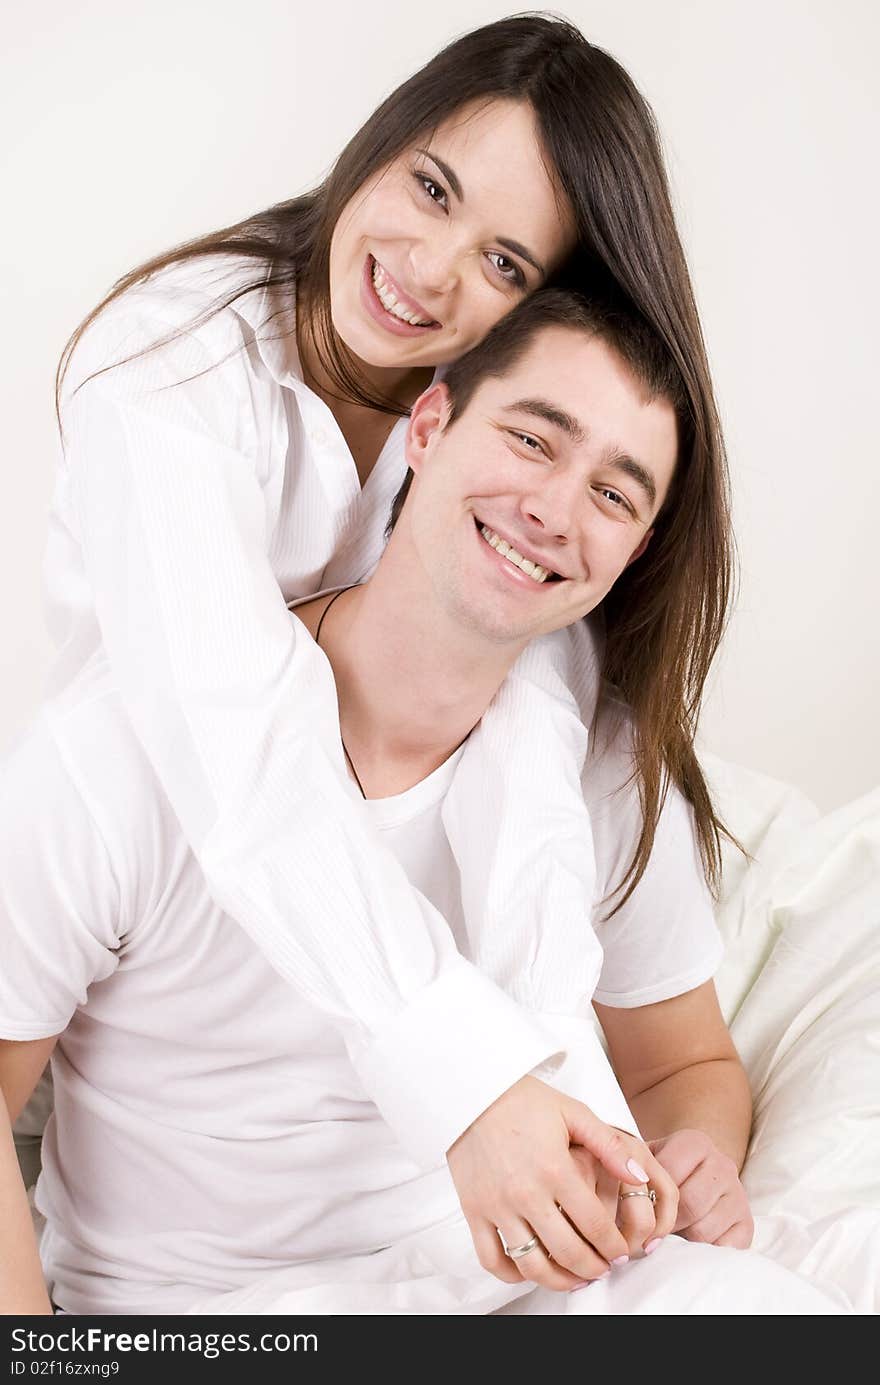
x,y
634,341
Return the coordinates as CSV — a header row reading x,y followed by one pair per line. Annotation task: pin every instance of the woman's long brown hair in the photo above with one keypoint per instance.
x,y
666,615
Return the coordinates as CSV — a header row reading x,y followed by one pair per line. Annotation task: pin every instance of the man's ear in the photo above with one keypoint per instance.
x,y
637,553
429,417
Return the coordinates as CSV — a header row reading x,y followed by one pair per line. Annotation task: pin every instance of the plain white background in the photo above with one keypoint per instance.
x,y
128,128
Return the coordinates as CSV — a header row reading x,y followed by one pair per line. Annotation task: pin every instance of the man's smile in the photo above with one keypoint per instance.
x,y
513,557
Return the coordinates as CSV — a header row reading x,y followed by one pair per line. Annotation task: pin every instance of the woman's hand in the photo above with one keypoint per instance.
x,y
539,1164
712,1203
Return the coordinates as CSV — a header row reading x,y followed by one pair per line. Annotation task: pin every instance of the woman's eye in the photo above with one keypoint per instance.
x,y
433,189
507,268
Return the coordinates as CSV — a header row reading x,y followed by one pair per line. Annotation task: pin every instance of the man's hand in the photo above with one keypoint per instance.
x,y
712,1203
538,1163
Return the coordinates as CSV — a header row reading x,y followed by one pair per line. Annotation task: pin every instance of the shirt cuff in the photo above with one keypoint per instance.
x,y
443,1060
585,1072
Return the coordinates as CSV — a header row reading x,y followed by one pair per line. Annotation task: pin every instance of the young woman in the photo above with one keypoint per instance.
x,y
232,417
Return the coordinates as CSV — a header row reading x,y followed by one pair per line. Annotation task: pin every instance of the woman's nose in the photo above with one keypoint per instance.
x,y
434,267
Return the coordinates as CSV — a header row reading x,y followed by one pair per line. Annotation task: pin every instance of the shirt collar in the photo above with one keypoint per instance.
x,y
270,312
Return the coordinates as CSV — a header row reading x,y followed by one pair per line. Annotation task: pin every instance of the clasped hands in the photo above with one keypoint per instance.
x,y
539,1164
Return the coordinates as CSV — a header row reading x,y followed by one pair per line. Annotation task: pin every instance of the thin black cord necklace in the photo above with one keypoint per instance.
x,y
333,598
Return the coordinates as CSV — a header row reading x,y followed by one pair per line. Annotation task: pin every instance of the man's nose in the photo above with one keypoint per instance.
x,y
553,506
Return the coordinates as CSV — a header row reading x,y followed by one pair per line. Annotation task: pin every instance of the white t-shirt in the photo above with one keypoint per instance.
x,y
661,943
209,1124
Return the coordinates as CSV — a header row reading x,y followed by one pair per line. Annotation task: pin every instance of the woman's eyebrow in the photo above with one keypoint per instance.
x,y
516,249
447,172
514,246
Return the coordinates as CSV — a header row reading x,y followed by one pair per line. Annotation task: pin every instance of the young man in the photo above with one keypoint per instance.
x,y
209,1125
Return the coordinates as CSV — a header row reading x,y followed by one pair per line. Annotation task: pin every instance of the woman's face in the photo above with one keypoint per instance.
x,y
444,241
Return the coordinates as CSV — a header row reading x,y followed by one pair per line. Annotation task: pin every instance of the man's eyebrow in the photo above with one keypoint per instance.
x,y
559,418
514,246
550,413
640,474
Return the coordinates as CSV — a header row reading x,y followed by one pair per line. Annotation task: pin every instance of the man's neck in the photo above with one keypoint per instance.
x,y
410,689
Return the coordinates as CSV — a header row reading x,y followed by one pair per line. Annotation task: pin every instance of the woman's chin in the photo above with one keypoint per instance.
x,y
366,343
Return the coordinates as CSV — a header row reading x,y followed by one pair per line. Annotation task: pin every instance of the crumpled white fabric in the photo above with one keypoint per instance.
x,y
436,1274
433,1273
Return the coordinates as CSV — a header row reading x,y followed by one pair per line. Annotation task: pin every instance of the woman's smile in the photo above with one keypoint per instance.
x,y
388,304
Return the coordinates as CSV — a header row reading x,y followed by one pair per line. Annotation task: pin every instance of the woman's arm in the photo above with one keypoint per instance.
x,y
166,487
160,551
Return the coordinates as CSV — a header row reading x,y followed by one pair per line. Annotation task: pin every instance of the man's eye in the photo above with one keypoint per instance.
x,y
531,444
432,188
617,500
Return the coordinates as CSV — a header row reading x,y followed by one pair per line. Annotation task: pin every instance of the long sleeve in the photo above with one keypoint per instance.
x,y
163,498
528,895
521,834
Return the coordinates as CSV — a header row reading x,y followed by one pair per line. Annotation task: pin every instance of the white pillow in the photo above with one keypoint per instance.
x,y
808,1030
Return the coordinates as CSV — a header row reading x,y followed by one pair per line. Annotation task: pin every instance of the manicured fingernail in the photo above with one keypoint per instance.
x,y
652,1245
585,1283
621,1260
636,1170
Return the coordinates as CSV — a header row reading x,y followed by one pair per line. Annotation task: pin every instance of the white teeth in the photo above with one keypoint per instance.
x,y
389,300
534,570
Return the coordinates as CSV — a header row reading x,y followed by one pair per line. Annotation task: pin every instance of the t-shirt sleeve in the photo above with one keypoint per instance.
x,y
59,899
664,940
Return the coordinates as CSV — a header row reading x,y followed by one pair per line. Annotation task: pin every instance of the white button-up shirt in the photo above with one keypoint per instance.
x,y
202,485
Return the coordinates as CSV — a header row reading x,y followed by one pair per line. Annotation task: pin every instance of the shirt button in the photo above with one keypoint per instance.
x,y
319,438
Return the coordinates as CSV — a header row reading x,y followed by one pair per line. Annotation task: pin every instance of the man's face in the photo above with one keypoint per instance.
x,y
563,463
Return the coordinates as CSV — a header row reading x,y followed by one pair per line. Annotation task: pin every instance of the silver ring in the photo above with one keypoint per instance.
x,y
640,1192
517,1252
